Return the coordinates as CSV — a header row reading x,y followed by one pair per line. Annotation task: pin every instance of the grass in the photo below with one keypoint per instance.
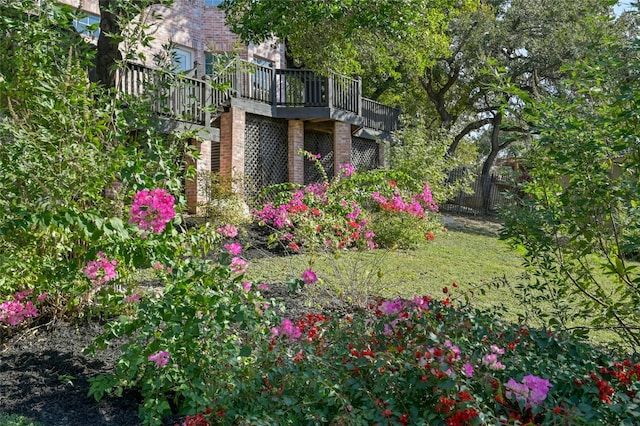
x,y
471,259
486,270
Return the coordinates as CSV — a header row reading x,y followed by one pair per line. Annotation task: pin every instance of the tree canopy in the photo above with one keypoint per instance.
x,y
350,36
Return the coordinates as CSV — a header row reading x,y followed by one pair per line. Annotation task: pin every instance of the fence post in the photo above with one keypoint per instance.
x,y
207,101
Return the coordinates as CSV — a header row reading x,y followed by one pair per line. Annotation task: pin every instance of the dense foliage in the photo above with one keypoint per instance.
x,y
580,209
70,155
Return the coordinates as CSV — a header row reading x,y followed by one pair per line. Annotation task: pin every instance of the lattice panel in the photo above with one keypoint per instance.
x,y
318,143
265,161
365,154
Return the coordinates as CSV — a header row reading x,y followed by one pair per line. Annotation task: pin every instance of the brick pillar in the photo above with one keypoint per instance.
x,y
341,145
384,149
195,190
295,145
232,132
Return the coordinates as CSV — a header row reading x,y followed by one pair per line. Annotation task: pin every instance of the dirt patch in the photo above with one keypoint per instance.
x,y
490,226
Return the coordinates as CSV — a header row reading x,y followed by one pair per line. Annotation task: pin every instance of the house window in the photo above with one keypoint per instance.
x,y
182,58
88,25
211,63
262,78
212,2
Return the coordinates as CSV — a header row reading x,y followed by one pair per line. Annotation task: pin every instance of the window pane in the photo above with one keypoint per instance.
x,y
212,2
85,25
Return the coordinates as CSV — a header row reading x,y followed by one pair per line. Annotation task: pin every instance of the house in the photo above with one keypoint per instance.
x,y
254,117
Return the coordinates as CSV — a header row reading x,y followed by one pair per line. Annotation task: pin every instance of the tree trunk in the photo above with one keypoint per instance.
x,y
485,177
108,54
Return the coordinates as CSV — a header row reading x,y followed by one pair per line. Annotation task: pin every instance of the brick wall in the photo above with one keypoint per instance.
x,y
192,26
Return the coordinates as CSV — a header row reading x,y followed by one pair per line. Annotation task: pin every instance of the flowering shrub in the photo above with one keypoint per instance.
x,y
186,346
356,210
424,361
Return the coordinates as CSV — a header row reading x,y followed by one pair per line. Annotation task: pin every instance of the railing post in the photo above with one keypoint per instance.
x,y
330,91
274,93
359,95
207,103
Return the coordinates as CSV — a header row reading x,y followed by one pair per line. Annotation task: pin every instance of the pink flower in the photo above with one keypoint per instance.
x,y
152,210
309,277
42,296
391,307
491,361
233,248
496,349
533,390
228,231
286,328
161,358
238,265
131,299
13,312
263,286
467,369
101,270
246,286
348,169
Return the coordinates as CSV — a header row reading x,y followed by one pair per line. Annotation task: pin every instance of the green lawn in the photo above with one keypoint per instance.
x,y
468,258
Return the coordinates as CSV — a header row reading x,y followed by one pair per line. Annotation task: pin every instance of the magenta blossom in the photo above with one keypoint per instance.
x,y
101,270
309,277
348,169
228,231
286,328
532,391
161,358
152,210
238,265
233,248
467,369
13,312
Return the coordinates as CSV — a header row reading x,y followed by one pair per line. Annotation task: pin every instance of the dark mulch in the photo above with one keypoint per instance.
x,y
44,376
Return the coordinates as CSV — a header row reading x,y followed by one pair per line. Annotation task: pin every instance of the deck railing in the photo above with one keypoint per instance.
x,y
194,100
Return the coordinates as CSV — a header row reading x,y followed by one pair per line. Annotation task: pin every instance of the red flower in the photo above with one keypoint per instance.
x,y
387,413
429,236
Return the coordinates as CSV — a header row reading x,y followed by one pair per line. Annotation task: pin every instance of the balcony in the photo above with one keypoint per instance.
x,y
279,93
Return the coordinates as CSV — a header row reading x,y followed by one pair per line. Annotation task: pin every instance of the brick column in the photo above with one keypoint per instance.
x,y
384,148
296,143
341,145
195,189
232,133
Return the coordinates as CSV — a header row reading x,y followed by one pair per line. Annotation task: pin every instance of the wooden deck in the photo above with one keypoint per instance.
x,y
278,93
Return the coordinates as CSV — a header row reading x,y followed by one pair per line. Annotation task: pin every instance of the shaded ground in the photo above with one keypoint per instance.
x,y
44,376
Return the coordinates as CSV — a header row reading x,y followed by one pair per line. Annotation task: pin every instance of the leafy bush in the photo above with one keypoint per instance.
x,y
578,217
423,361
357,210
222,205
70,154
